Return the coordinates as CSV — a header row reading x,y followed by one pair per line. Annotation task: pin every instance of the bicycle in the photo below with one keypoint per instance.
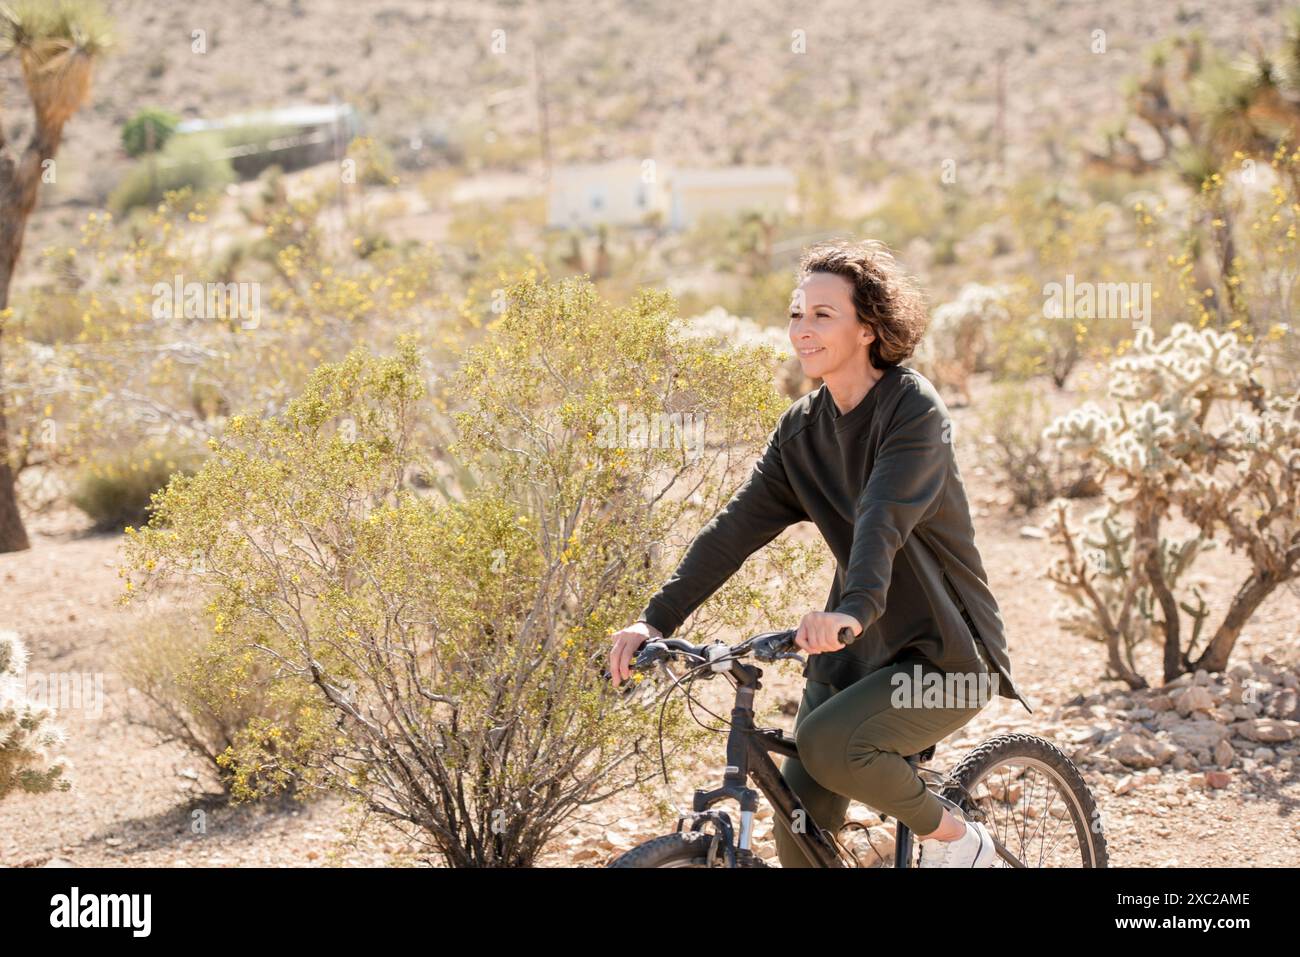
x,y
972,789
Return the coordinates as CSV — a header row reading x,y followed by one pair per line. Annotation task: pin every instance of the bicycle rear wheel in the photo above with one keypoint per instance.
x,y
1033,800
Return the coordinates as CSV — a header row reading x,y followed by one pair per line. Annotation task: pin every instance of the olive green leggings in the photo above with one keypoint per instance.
x,y
853,743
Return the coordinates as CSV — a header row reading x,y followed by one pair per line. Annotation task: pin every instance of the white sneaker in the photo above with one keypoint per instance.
x,y
973,849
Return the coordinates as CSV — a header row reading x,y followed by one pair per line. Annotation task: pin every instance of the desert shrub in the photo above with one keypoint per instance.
x,y
459,643
1194,429
50,317
958,337
374,161
1231,255
27,731
148,131
1071,299
105,351
196,160
1012,446
115,489
719,326
201,687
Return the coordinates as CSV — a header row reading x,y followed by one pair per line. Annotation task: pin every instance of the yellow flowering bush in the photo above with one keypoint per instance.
x,y
454,635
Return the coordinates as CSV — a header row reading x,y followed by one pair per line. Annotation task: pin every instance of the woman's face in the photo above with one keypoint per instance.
x,y
824,328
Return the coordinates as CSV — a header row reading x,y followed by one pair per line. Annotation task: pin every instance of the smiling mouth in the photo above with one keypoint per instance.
x,y
810,352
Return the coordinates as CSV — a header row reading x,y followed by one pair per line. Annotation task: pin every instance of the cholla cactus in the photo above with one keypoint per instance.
x,y
26,732
1240,481
736,330
957,338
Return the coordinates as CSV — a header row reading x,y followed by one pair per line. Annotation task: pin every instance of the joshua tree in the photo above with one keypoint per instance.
x,y
1206,109
56,45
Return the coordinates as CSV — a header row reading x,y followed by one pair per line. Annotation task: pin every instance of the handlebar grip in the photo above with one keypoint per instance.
x,y
847,637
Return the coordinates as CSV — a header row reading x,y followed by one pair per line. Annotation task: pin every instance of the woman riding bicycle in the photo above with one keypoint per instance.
x,y
868,458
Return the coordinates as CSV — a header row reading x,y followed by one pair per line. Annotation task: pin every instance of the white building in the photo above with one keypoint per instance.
x,y
618,193
625,192
728,191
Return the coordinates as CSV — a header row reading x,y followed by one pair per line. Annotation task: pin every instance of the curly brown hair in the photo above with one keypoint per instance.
x,y
886,299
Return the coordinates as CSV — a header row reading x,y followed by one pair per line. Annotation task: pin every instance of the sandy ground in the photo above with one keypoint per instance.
x,y
139,803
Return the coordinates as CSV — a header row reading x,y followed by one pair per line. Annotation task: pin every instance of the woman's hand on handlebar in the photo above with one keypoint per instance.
x,y
626,643
819,631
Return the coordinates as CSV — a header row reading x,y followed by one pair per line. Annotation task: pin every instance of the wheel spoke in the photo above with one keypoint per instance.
x,y
1034,815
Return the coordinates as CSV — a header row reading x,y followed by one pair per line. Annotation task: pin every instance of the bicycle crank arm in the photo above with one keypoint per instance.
x,y
1005,853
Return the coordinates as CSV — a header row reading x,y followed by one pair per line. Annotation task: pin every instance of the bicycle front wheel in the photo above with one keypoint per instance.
x,y
681,849
1033,800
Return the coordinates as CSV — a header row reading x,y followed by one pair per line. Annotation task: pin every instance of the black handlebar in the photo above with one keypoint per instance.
x,y
768,646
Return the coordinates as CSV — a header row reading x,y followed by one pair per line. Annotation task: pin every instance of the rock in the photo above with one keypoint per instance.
x,y
1265,755
58,862
1083,735
1223,754
1134,751
1218,779
1184,761
1161,702
1244,712
1264,673
1032,531
1008,792
862,813
1196,734
1267,730
1284,704
1202,677
614,839
1195,698
1141,714
873,847
1236,688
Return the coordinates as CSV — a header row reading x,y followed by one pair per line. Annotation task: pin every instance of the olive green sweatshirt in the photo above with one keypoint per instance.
x,y
881,484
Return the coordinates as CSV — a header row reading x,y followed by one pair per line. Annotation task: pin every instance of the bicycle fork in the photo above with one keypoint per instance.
x,y
747,754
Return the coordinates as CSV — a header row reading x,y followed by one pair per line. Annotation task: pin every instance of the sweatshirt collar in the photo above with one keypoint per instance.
x,y
846,421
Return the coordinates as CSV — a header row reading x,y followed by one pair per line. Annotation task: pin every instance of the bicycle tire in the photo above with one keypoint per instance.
x,y
680,849
1084,813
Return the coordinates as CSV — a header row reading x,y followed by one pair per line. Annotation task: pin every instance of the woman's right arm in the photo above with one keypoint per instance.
x,y
759,511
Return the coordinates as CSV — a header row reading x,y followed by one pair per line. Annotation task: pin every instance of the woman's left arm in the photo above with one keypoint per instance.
x,y
906,486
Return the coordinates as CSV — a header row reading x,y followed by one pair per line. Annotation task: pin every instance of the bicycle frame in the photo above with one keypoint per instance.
x,y
748,750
